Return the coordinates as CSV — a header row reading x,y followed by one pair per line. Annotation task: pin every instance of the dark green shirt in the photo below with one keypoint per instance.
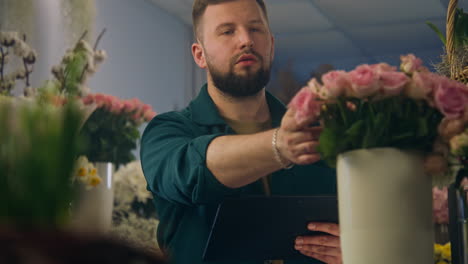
x,y
186,194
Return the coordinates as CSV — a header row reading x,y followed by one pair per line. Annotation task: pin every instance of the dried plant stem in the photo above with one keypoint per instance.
x,y
27,72
83,35
2,63
99,38
94,48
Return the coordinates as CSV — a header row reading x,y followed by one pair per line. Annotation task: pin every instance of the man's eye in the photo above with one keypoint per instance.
x,y
256,30
228,32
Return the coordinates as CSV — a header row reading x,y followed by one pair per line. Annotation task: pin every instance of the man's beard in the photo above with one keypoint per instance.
x,y
238,86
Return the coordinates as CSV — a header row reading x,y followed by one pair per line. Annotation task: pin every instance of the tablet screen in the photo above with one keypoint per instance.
x,y
261,228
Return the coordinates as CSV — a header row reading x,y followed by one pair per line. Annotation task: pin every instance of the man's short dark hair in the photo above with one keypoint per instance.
x,y
199,7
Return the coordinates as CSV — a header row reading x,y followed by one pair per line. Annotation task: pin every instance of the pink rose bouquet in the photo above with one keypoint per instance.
x,y
380,106
112,129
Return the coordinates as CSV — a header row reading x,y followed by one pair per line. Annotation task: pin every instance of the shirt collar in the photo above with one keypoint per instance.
x,y
205,112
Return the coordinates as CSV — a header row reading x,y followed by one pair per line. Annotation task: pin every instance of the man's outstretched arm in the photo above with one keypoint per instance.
x,y
239,160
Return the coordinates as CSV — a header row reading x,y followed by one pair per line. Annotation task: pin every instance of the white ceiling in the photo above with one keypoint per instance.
x,y
344,29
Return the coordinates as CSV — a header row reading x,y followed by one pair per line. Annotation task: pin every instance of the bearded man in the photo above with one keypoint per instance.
x,y
235,139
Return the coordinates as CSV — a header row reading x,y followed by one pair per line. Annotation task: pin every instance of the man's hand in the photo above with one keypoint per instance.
x,y
297,142
325,248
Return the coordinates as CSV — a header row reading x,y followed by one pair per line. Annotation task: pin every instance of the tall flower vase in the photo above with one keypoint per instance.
x,y
385,207
92,211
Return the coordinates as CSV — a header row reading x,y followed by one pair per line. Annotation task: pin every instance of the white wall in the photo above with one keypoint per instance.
x,y
149,54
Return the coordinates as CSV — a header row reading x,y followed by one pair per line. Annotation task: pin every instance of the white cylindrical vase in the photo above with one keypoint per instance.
x,y
92,211
385,207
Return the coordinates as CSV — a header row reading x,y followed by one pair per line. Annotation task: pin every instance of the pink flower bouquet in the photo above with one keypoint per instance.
x,y
379,106
440,210
112,129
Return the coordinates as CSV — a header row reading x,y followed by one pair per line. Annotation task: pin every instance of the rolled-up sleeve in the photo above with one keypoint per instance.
x,y
173,158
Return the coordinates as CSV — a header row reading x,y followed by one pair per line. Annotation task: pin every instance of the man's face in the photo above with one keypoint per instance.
x,y
237,47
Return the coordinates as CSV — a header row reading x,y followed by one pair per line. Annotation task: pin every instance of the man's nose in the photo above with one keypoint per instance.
x,y
245,39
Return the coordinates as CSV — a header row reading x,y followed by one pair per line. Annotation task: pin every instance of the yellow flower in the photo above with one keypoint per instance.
x,y
437,249
459,142
94,181
441,262
446,252
81,172
93,172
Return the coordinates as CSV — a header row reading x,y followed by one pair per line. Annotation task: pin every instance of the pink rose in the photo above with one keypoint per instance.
x,y
128,106
383,67
137,118
306,105
317,88
137,103
451,97
351,106
465,115
392,83
100,100
440,147
335,82
364,81
448,128
89,99
108,99
440,205
146,112
435,164
410,63
145,108
422,85
148,115
116,106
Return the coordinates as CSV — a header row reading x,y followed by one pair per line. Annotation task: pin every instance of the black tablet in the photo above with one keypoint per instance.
x,y
262,228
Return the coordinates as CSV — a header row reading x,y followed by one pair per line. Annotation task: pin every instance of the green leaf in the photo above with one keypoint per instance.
x,y
368,139
327,142
464,41
355,129
343,111
73,72
461,24
423,129
437,31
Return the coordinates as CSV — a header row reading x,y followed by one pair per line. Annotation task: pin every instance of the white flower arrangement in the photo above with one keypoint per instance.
x,y
130,185
12,44
128,225
86,173
138,231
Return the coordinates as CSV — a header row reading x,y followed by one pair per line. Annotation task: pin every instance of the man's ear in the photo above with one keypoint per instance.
x,y
199,55
272,52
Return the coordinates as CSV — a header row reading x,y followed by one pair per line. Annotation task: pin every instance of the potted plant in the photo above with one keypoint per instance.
x,y
379,125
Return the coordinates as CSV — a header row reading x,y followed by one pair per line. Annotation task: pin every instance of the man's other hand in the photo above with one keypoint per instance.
x,y
325,248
